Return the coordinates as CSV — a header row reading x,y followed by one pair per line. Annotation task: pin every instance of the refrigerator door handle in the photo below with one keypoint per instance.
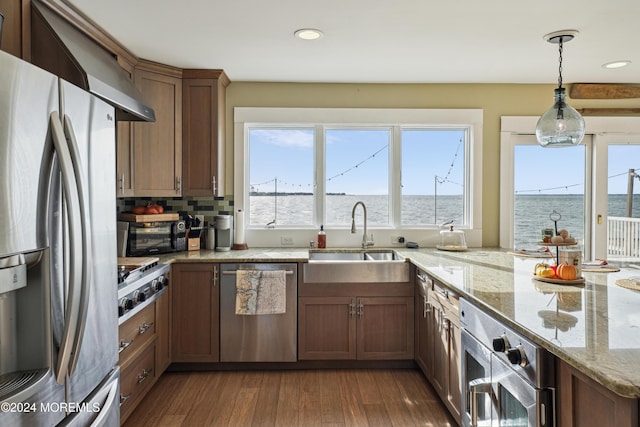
x,y
109,403
69,186
86,242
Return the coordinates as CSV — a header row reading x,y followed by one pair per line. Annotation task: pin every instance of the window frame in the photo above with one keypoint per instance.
x,y
599,132
397,120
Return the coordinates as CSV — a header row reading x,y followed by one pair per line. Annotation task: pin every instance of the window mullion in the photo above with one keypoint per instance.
x,y
319,188
395,167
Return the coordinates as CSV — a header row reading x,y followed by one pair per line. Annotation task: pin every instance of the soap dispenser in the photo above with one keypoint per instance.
x,y
322,238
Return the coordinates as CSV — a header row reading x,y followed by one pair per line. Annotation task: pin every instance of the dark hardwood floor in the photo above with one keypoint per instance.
x,y
350,397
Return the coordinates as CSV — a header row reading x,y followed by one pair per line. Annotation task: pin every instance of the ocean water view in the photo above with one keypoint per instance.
x,y
531,211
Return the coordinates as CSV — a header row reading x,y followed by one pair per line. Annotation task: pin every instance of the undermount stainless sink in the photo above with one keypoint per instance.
x,y
355,266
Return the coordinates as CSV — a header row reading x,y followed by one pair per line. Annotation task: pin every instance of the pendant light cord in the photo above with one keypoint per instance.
x,y
560,64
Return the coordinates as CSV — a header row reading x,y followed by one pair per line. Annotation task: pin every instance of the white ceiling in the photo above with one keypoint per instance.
x,y
397,41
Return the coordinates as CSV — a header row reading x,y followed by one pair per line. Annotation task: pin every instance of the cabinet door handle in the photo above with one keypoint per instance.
x,y
446,324
444,293
427,307
352,308
124,344
360,310
121,184
124,398
144,327
144,375
215,276
178,184
213,185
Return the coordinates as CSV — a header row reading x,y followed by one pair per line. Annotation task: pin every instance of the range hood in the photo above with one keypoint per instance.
x,y
63,50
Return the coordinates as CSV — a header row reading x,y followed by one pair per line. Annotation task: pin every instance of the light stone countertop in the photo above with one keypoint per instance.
x,y
594,327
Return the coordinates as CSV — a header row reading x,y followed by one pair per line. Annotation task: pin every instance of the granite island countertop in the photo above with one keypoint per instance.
x,y
594,327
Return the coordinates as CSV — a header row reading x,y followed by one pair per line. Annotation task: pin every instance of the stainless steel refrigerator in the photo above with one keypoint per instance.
x,y
58,283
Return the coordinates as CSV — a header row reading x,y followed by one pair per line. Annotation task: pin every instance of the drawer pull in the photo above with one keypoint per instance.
x,y
144,375
145,327
124,344
427,308
124,398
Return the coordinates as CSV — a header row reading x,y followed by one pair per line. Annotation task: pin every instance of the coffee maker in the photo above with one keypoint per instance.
x,y
224,232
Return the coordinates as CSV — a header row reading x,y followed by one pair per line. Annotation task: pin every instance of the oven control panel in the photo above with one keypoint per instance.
x,y
523,355
134,296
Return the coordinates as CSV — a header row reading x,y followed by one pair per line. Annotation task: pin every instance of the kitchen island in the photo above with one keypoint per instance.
x,y
594,327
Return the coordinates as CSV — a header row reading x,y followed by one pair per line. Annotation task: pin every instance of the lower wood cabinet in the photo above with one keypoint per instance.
x,y
143,353
582,402
439,339
163,331
135,381
424,326
196,312
326,328
363,328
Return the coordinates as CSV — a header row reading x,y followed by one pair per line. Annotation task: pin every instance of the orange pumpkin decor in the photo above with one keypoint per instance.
x,y
567,272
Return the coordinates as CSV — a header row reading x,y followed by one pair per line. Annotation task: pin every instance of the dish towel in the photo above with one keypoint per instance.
x,y
261,292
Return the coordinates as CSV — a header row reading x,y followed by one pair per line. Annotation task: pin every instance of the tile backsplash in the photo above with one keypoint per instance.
x,y
206,206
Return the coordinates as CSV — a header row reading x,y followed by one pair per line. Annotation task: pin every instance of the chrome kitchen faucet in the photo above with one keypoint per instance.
x,y
365,243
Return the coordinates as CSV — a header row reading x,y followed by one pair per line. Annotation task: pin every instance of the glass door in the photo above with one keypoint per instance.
x,y
544,181
616,228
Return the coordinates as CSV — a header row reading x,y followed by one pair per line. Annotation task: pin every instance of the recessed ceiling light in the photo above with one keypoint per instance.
x,y
308,34
616,64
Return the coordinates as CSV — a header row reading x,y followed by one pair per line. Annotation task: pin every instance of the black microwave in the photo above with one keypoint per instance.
x,y
160,237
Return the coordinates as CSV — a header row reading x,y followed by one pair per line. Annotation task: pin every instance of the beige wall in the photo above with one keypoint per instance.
x,y
495,99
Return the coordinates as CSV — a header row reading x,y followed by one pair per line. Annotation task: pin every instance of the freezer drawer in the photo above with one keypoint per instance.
x,y
102,407
263,337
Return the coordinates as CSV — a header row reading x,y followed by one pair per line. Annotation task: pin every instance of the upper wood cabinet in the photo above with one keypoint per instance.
x,y
124,160
16,29
157,146
203,124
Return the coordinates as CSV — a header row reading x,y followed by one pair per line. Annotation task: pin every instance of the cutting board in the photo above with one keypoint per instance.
x,y
131,217
131,263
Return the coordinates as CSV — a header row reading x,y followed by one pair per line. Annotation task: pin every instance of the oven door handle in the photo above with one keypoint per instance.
x,y
477,386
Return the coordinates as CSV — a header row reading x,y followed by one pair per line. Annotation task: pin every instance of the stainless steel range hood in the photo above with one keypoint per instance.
x,y
63,50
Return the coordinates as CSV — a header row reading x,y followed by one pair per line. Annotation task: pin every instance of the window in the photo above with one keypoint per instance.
x,y
434,173
357,169
296,169
281,176
548,180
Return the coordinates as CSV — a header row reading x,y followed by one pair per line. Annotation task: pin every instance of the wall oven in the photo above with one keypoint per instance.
x,y
507,379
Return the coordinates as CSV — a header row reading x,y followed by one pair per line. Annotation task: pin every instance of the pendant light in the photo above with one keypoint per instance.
x,y
561,125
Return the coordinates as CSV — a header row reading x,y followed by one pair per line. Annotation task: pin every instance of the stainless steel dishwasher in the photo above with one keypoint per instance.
x,y
261,337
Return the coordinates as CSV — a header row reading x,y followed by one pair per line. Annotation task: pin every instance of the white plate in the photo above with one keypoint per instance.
x,y
451,248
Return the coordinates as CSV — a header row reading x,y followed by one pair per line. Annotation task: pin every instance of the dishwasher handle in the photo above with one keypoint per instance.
x,y
233,272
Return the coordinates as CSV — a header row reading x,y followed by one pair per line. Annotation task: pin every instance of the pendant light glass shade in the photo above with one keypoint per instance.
x,y
561,125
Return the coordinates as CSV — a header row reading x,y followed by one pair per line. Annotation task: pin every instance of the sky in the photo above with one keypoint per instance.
x,y
357,161
561,170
